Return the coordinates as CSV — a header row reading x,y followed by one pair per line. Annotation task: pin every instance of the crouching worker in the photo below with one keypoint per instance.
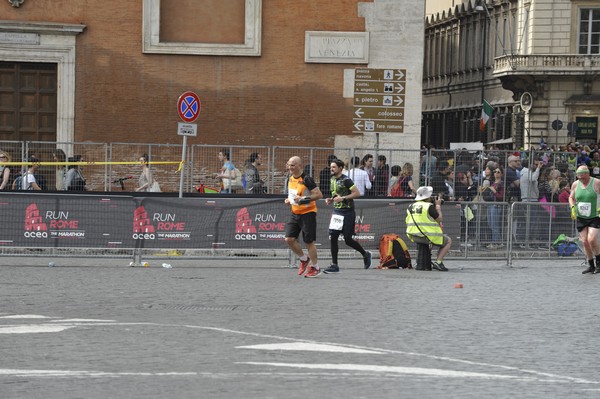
x,y
424,224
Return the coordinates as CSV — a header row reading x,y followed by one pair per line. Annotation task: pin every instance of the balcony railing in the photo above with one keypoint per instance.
x,y
546,64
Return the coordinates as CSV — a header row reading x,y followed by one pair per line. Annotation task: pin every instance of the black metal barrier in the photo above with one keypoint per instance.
x,y
200,226
215,222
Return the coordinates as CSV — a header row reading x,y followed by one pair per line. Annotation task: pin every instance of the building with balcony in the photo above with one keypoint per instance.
x,y
545,53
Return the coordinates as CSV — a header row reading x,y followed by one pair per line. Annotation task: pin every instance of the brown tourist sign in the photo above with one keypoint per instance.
x,y
379,96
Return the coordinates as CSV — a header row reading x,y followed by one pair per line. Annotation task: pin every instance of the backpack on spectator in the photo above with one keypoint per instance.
x,y
236,179
396,190
393,253
18,183
77,183
244,181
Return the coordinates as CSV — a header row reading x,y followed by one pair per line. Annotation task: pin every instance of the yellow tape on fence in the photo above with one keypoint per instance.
x,y
91,163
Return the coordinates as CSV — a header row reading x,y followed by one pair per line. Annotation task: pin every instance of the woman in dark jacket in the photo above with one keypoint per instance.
x,y
495,193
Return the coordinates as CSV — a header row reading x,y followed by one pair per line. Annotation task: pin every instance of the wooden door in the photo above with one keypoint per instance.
x,y
27,101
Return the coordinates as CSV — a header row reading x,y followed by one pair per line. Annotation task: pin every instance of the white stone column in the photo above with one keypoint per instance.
x,y
396,29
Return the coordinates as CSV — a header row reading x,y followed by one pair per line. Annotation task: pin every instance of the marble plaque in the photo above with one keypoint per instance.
x,y
336,47
19,38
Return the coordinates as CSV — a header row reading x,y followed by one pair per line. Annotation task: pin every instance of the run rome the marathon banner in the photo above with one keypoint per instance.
x,y
46,220
211,222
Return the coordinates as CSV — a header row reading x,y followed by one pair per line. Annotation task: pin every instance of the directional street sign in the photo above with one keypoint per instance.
x,y
378,113
398,75
378,100
385,126
378,87
379,97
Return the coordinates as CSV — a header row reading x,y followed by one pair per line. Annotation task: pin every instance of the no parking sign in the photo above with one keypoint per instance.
x,y
188,106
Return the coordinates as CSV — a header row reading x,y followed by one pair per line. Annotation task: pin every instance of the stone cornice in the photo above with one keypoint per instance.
x,y
49,28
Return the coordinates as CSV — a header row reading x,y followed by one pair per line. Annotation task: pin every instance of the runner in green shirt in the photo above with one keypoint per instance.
x,y
343,194
584,208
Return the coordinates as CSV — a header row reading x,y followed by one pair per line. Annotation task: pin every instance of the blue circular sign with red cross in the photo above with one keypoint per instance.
x,y
188,106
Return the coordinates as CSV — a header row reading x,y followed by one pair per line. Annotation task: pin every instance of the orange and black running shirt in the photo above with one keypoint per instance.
x,y
301,186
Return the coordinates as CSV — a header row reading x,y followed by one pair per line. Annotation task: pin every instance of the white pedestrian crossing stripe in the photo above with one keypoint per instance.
x,y
392,369
33,329
309,347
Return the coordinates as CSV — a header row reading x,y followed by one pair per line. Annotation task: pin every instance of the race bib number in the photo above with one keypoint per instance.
x,y
336,222
292,195
596,170
584,209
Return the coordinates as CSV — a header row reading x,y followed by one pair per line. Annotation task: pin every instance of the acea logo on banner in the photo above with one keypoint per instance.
x,y
50,224
260,226
160,226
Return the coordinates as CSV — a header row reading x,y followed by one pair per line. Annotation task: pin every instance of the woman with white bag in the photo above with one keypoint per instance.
x,y
146,181
227,174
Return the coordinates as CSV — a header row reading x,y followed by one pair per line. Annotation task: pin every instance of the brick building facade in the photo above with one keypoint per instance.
x,y
122,94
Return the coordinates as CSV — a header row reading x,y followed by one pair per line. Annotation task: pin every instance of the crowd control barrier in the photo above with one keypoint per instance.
x,y
226,226
212,225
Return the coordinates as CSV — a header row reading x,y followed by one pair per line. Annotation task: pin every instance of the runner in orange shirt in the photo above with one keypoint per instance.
x,y
302,196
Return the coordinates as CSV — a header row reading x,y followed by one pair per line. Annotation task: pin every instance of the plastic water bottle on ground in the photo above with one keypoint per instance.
x,y
167,266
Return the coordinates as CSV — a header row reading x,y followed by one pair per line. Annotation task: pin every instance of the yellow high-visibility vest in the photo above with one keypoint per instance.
x,y
420,224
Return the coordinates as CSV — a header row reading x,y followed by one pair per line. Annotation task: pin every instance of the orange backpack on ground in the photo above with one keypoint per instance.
x,y
393,253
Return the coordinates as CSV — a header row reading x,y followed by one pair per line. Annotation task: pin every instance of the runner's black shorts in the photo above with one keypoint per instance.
x,y
583,223
305,223
349,223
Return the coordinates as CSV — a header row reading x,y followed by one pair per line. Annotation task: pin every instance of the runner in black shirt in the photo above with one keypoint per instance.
x,y
343,193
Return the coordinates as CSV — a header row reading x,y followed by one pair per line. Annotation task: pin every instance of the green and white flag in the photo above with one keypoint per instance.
x,y
486,114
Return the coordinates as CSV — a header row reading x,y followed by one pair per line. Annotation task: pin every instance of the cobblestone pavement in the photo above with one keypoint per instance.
x,y
96,328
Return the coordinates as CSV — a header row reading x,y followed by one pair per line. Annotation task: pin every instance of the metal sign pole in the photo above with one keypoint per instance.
x,y
183,149
556,135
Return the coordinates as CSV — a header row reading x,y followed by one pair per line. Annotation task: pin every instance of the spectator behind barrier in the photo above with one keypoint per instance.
x,y
30,180
254,185
395,171
61,170
367,165
227,174
4,171
359,177
382,176
513,192
406,176
74,180
325,177
438,181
